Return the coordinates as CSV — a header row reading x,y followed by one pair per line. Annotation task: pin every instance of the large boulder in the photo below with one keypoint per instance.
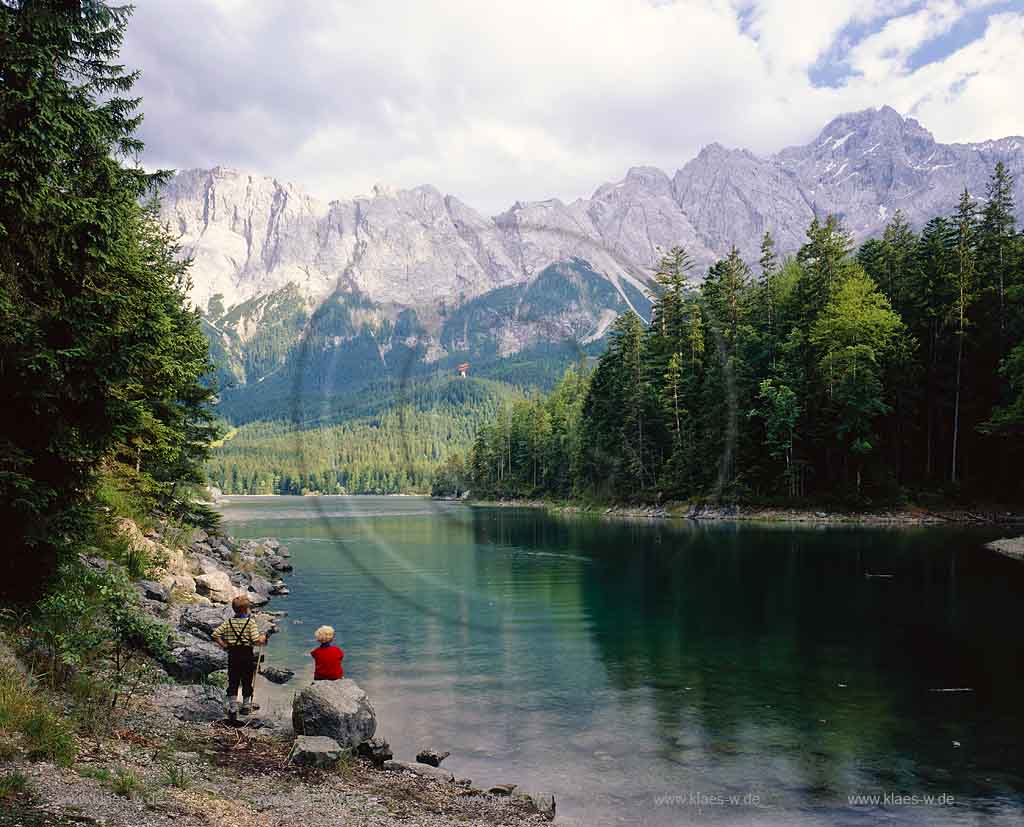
x,y
337,709
202,620
315,751
194,702
184,584
260,585
191,658
217,586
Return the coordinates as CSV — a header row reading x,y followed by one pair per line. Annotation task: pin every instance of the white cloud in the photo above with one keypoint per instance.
x,y
498,101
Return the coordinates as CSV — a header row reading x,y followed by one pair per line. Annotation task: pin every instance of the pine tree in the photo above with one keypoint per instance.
x,y
963,280
996,241
102,360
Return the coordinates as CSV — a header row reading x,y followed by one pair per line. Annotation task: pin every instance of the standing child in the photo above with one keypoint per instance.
x,y
238,635
327,656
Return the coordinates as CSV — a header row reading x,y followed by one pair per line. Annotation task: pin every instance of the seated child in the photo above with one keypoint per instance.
x,y
327,656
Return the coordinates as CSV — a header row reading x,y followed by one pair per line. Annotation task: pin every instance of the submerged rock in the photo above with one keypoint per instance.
x,y
275,674
431,757
338,709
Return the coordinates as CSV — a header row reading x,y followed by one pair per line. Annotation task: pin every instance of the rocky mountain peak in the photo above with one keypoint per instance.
x,y
250,235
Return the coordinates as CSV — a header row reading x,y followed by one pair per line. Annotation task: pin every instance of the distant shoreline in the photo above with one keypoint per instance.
x,y
907,516
222,497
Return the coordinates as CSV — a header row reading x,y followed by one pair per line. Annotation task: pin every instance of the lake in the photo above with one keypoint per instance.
x,y
669,672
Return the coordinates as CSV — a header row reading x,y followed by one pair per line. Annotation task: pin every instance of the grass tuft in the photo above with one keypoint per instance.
x,y
176,776
126,783
47,734
13,785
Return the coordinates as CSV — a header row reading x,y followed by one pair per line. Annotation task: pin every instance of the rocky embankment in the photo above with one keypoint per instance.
x,y
328,758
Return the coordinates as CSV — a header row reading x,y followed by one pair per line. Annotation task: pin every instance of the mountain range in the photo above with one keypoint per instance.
x,y
402,280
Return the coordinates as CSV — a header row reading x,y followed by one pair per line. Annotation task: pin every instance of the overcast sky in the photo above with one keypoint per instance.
x,y
496,101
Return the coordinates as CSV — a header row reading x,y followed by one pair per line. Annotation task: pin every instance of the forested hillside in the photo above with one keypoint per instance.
x,y
892,371
391,441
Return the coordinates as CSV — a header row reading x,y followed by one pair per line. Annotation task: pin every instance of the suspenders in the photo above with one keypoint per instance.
x,y
239,632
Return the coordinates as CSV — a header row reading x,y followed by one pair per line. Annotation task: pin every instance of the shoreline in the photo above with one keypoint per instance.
x,y
172,761
905,516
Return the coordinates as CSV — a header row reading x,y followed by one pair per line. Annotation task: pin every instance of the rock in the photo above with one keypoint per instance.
x,y
431,757
271,543
184,583
191,658
202,620
278,564
216,586
260,585
207,565
191,703
275,674
502,789
315,751
543,803
1010,546
424,770
279,590
152,590
376,750
282,551
338,709
199,536
256,599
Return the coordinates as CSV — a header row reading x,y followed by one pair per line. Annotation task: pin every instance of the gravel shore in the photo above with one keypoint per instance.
x,y
157,771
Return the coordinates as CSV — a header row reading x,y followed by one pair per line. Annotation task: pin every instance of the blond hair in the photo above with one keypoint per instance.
x,y
325,634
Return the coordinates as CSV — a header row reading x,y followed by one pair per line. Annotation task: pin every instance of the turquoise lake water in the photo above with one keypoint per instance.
x,y
668,672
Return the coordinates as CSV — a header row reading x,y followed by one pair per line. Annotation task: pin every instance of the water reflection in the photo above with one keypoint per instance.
x,y
618,662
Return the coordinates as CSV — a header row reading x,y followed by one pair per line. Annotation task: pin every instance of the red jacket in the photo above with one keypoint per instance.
x,y
328,663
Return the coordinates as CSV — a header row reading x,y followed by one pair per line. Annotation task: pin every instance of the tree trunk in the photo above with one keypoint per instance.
x,y
956,404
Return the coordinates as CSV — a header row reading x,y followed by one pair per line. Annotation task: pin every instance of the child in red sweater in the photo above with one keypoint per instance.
x,y
327,656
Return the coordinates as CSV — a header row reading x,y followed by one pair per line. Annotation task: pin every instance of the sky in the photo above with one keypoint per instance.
x,y
498,101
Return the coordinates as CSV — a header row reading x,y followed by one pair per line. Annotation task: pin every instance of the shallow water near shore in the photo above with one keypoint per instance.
x,y
663,671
